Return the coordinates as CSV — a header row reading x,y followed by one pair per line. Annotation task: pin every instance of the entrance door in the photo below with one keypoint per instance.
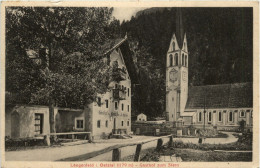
x,y
15,125
38,124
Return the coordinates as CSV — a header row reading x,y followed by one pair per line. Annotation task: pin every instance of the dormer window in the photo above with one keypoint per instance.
x,y
173,46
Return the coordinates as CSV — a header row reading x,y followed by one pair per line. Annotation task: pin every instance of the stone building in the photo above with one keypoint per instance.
x,y
222,105
110,113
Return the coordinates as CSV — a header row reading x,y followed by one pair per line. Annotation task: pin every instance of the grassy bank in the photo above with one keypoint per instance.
x,y
205,152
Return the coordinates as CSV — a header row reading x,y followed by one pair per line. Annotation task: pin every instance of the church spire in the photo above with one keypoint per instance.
x,y
179,28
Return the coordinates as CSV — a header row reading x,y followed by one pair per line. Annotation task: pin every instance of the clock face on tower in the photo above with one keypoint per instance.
x,y
173,75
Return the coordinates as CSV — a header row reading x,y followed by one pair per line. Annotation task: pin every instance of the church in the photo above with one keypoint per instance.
x,y
221,106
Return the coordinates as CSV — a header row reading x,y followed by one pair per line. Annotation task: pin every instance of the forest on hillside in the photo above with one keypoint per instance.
x,y
220,44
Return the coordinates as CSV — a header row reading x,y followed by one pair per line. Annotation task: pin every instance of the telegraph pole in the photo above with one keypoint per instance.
x,y
204,112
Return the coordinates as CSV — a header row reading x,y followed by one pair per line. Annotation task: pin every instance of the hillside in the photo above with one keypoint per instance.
x,y
219,44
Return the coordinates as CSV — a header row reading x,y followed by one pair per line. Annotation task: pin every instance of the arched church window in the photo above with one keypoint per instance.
x,y
200,116
176,59
219,116
230,116
186,60
173,46
209,116
171,60
182,60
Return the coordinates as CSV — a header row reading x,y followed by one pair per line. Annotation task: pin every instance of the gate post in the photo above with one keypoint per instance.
x,y
116,155
159,144
47,140
170,141
137,152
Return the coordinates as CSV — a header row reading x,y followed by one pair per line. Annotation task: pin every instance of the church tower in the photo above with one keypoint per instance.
x,y
177,72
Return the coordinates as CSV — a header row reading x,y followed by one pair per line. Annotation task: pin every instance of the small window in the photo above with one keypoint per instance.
x,y
98,123
106,123
176,59
122,123
116,106
128,93
200,119
99,101
116,86
128,108
122,107
219,116
128,123
106,103
173,46
252,114
79,123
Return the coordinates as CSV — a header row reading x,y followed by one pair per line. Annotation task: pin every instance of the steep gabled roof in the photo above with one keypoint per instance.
x,y
236,95
123,45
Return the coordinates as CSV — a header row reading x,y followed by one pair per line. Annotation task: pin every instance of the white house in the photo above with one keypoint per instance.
x,y
141,117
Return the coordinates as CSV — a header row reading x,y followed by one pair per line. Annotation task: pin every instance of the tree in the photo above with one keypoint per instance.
x,y
75,70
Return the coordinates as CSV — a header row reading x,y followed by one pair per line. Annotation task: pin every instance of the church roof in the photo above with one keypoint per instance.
x,y
238,95
179,28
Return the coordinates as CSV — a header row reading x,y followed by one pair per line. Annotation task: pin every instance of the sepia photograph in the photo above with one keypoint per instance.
x,y
113,84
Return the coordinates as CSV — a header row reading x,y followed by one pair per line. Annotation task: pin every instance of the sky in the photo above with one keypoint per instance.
x,y
124,13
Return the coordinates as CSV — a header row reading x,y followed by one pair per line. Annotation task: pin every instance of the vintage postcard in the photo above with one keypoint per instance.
x,y
129,84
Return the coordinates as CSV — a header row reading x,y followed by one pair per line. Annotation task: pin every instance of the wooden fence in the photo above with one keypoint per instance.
x,y
116,150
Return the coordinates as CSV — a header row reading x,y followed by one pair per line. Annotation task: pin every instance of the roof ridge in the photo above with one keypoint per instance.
x,y
223,84
116,45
